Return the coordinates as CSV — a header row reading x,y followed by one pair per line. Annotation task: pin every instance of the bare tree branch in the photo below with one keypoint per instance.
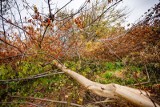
x,y
52,20
3,20
104,12
13,24
48,100
20,18
21,103
4,41
30,77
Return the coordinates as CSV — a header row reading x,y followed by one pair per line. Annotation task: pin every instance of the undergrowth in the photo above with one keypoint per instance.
x,y
60,86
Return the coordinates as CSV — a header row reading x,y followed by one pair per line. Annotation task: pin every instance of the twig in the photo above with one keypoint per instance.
x,y
147,73
14,24
21,103
30,77
104,12
63,7
105,101
52,20
43,35
20,17
3,21
14,18
10,45
48,100
50,11
70,17
9,57
137,84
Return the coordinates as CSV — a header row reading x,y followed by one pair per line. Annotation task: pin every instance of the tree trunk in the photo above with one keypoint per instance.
x,y
135,96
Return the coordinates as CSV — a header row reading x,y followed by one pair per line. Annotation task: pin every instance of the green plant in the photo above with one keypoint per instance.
x,y
108,74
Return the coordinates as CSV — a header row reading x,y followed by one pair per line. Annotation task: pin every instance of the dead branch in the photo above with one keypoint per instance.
x,y
29,103
31,77
4,41
48,100
112,90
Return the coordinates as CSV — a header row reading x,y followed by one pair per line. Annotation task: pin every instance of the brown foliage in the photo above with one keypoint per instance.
x,y
138,40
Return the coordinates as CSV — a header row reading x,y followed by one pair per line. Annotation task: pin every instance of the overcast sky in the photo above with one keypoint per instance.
x,y
136,8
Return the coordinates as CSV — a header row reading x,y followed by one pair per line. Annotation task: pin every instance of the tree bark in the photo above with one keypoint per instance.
x,y
135,96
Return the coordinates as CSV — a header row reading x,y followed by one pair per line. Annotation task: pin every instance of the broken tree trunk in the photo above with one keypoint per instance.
x,y
135,96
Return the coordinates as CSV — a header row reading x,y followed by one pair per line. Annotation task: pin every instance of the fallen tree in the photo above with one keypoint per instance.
x,y
114,91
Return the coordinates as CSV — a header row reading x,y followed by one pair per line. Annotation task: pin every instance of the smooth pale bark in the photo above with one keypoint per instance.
x,y
135,96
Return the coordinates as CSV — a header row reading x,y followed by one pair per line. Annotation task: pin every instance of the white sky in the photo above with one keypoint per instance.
x,y
136,8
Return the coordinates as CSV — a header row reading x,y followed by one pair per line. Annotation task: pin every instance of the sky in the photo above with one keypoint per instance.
x,y
135,8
